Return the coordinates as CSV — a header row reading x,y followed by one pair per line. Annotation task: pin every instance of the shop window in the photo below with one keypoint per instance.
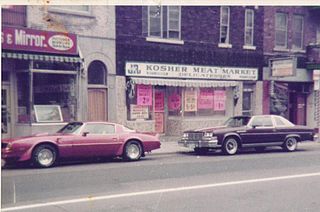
x,y
174,101
247,100
281,30
164,22
23,94
297,32
97,73
224,24
248,31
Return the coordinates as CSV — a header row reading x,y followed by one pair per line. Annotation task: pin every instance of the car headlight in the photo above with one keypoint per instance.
x,y
185,135
208,134
9,146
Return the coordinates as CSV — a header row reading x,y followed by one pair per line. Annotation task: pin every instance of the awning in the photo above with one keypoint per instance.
x,y
184,83
52,58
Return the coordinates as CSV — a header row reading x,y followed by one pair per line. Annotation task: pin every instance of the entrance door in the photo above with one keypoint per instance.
x,y
301,109
97,104
5,112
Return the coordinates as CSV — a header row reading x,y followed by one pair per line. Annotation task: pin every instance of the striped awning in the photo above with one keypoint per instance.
x,y
52,58
184,83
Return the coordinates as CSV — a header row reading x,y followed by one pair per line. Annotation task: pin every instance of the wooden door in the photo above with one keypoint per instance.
x,y
301,109
97,104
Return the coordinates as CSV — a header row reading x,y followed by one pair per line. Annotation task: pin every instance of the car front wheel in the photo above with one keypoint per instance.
x,y
230,146
132,151
290,144
44,156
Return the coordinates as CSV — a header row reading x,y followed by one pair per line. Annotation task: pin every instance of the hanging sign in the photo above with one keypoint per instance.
x,y
144,95
174,102
190,100
205,98
158,101
219,100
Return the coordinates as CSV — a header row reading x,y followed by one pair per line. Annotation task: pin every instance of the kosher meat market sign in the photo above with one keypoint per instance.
x,y
27,39
190,71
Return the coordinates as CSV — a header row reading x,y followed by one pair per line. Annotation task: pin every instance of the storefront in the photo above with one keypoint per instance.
x,y
170,98
41,81
288,91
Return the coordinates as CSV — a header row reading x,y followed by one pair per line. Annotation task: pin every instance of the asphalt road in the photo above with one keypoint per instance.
x,y
250,181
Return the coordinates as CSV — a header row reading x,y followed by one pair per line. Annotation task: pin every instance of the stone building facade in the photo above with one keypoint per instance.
x,y
177,70
44,75
288,84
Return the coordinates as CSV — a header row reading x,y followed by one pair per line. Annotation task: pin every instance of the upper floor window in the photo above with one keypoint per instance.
x,y
297,32
281,28
224,24
249,21
164,22
97,73
71,9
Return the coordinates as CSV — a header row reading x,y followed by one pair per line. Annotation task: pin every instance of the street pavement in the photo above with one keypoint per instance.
x,y
172,179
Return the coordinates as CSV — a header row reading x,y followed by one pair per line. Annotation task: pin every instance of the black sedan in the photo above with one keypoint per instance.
x,y
239,132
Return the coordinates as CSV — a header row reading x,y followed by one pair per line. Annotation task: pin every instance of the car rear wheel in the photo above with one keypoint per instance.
x,y
44,156
230,146
132,151
290,144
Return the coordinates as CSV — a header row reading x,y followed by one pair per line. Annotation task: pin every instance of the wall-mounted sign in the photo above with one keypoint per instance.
x,y
159,122
158,101
190,71
26,39
283,67
139,112
316,75
48,113
219,100
190,100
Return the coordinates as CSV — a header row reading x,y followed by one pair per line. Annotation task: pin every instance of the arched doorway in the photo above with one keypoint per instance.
x,y
97,92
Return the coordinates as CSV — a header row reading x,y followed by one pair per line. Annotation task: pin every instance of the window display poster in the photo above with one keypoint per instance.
x,y
144,95
139,112
205,98
174,102
190,100
159,122
159,101
219,100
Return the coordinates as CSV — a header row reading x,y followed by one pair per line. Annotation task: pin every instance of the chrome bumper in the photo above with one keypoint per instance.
x,y
199,144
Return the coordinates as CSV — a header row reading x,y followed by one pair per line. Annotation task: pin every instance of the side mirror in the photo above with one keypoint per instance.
x,y
84,134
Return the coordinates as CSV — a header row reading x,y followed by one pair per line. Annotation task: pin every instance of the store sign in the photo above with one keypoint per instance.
x,y
190,100
190,71
316,75
144,94
283,67
26,39
139,112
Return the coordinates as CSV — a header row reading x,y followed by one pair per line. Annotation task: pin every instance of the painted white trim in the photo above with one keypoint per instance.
x,y
163,40
281,49
161,191
161,24
46,71
225,45
247,27
249,47
55,9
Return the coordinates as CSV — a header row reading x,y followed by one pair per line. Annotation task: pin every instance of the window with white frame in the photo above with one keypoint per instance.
x,y
164,22
224,24
281,30
249,22
297,32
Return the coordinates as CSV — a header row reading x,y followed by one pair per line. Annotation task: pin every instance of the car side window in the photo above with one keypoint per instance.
x,y
99,129
262,122
279,122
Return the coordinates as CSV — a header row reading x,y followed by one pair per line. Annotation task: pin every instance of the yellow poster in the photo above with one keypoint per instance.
x,y
190,100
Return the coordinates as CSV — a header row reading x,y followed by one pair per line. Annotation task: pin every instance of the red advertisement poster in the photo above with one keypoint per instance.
x,y
144,95
205,98
174,102
159,122
219,100
159,101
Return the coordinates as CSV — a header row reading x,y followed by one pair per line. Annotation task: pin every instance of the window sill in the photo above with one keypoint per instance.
x,y
280,49
71,12
163,40
224,45
249,47
298,50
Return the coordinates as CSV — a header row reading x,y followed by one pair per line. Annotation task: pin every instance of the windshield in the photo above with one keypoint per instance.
x,y
73,127
237,121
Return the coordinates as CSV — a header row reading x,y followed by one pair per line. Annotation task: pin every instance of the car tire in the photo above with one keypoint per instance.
x,y
44,156
290,144
201,151
132,151
260,148
230,146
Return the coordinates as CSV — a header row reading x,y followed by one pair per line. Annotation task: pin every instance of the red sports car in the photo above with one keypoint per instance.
x,y
80,140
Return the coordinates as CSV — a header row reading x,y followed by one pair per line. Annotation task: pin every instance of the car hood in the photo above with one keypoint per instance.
x,y
208,129
37,136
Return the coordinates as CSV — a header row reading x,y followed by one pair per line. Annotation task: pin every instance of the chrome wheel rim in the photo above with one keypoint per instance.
x,y
291,144
45,157
231,146
133,151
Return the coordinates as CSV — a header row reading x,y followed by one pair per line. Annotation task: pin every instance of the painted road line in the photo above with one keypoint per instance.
x,y
167,190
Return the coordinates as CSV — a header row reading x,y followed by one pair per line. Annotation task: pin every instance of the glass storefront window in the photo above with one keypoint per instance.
x,y
23,93
174,101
